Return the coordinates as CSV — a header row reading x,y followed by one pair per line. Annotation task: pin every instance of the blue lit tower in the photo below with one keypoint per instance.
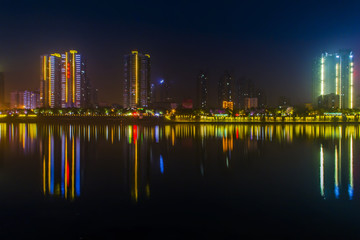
x,y
333,80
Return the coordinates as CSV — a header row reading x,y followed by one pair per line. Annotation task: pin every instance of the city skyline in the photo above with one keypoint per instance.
x,y
64,83
274,49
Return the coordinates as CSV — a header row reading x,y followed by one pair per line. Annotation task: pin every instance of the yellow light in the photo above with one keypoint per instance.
x,y
147,55
351,83
136,77
43,90
136,171
336,167
73,51
322,75
337,79
351,171
44,67
134,52
56,54
66,78
44,175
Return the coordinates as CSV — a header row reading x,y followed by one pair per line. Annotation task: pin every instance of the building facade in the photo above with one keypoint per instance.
x,y
333,73
246,94
250,103
137,88
25,99
225,89
202,91
50,80
63,81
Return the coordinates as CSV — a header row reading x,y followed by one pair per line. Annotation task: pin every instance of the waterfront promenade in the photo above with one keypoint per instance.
x,y
176,119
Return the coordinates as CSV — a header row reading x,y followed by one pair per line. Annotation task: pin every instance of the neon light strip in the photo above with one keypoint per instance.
x,y
136,79
66,77
73,66
44,67
340,92
322,75
351,180
351,83
337,79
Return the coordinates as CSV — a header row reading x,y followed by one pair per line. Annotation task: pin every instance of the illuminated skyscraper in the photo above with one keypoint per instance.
x,y
202,90
137,80
225,91
334,74
50,80
63,81
73,81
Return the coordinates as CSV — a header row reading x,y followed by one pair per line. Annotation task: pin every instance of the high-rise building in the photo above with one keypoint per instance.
x,y
334,74
225,92
74,83
2,90
202,90
50,80
137,80
63,81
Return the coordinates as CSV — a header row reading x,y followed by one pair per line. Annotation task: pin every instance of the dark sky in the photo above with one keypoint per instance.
x,y
271,42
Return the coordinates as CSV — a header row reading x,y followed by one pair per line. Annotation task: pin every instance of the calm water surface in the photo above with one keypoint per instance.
x,y
186,180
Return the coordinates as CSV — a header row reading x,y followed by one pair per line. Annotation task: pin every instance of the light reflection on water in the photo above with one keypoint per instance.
x,y
64,150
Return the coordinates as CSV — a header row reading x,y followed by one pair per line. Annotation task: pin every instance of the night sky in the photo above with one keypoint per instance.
x,y
272,43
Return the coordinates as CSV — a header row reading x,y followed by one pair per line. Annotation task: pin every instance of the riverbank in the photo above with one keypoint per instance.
x,y
162,120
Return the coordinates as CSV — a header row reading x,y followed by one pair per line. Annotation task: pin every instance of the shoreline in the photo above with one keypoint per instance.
x,y
154,121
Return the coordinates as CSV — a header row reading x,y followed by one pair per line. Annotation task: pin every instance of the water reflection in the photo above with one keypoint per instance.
x,y
337,167
138,157
61,163
146,152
